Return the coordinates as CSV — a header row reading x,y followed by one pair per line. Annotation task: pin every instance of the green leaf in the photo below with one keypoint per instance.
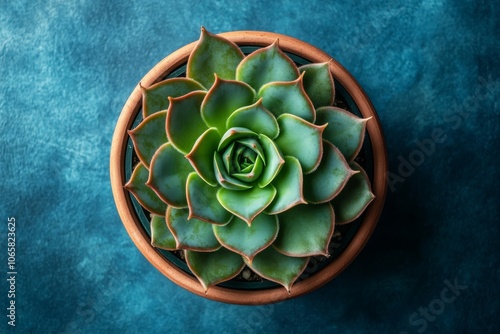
x,y
246,204
248,240
213,54
254,145
155,98
192,234
234,133
253,173
318,83
288,186
266,65
278,267
222,100
148,136
274,161
302,140
306,230
287,98
203,203
201,156
214,267
168,175
225,179
227,157
255,118
144,194
344,130
329,178
161,237
354,198
184,123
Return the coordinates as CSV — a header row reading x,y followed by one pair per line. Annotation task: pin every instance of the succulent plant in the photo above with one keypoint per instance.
x,y
246,162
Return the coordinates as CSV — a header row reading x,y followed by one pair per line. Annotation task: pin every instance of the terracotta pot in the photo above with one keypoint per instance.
x,y
376,165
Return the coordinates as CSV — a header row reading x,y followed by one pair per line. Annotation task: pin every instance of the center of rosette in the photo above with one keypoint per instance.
x,y
239,160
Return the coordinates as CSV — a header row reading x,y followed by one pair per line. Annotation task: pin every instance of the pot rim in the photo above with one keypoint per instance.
x,y
269,295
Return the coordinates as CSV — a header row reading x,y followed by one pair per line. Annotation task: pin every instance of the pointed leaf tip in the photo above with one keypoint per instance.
x,y
213,54
148,136
289,185
211,268
168,175
192,234
287,97
223,98
201,155
318,83
345,130
180,133
278,267
203,203
354,198
137,185
305,230
256,118
161,236
246,204
329,178
248,240
156,97
274,161
266,65
302,140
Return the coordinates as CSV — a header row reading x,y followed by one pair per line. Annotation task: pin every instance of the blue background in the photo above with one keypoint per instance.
x,y
432,70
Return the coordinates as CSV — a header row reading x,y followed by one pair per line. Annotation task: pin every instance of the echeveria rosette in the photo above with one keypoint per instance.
x,y
246,162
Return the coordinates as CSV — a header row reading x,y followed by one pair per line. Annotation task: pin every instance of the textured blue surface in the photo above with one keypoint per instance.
x,y
432,70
